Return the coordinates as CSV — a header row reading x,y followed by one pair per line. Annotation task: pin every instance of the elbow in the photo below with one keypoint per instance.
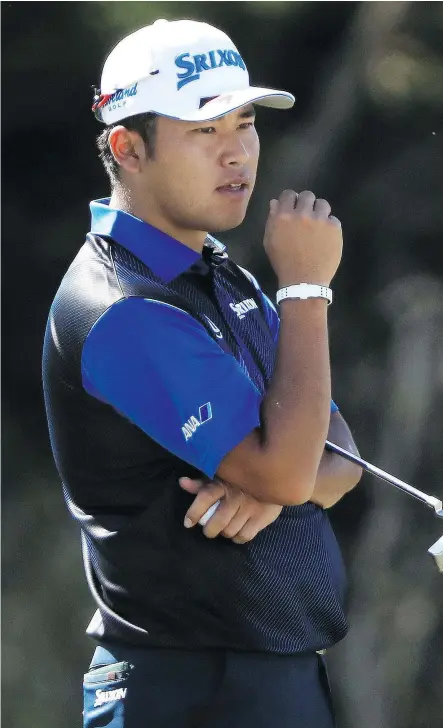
x,y
355,475
286,488
352,477
296,494
285,494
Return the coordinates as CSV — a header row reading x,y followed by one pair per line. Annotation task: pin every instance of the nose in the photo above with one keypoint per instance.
x,y
235,153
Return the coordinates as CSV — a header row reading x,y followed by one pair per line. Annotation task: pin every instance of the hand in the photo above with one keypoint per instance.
x,y
303,241
238,517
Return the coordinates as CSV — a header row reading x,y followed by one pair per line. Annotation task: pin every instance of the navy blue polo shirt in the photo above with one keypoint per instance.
x,y
156,360
156,364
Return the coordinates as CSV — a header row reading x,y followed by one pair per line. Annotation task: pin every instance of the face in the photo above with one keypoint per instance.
x,y
202,174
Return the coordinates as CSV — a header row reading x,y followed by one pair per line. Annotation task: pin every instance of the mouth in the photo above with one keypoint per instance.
x,y
237,189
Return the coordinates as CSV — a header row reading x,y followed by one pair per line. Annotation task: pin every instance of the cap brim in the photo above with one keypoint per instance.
x,y
227,102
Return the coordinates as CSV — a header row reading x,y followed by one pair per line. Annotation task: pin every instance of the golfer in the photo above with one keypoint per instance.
x,y
172,383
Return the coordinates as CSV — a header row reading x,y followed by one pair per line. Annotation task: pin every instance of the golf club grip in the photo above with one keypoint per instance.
x,y
436,551
210,512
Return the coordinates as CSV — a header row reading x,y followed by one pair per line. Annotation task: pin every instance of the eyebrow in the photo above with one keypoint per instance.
x,y
248,113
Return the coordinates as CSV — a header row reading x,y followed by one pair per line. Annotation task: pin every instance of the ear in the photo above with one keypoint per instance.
x,y
127,148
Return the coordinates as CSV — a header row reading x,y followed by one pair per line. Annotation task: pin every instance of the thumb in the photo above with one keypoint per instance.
x,y
191,485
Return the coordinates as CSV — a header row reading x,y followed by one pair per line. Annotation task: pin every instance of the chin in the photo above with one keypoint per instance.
x,y
228,223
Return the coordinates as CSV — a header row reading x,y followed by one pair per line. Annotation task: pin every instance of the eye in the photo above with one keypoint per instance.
x,y
247,125
206,129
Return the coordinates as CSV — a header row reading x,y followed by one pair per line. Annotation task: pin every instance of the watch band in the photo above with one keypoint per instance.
x,y
303,291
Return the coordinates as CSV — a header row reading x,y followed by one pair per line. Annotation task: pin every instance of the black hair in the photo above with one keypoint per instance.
x,y
143,124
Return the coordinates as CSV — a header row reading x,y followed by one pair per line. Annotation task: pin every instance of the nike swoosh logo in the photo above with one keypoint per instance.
x,y
215,328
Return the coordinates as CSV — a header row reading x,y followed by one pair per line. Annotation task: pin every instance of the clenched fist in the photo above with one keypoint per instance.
x,y
303,241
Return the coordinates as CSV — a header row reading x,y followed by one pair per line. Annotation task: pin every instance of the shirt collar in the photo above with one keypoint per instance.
x,y
164,255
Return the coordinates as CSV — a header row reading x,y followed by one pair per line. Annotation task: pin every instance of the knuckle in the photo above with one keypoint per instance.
x,y
214,489
221,524
211,525
209,532
202,497
306,218
239,498
284,215
244,537
212,528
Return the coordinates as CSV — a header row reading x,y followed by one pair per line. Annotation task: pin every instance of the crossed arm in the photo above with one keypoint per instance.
x,y
118,360
240,516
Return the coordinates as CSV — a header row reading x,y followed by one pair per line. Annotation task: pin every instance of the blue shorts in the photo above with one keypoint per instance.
x,y
167,688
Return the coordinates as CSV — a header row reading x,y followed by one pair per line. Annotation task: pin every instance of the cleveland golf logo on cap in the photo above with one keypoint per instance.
x,y
111,102
194,65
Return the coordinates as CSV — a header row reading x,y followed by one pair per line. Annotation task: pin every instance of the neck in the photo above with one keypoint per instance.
x,y
126,200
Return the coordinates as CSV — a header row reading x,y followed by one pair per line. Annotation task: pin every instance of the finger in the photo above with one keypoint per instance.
x,y
192,485
221,518
334,220
287,200
322,208
273,206
235,525
305,201
209,513
253,525
206,497
247,533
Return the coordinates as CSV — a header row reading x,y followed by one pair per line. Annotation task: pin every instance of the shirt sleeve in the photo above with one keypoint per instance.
x,y
158,367
272,317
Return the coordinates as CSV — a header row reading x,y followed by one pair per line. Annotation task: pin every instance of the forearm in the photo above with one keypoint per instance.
x,y
295,410
278,463
336,476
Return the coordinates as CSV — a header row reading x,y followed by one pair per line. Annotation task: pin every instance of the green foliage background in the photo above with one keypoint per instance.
x,y
366,133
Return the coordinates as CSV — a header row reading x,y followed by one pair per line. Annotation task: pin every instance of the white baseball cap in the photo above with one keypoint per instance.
x,y
182,69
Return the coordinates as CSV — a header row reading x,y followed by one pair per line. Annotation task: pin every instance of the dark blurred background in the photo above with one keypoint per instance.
x,y
366,133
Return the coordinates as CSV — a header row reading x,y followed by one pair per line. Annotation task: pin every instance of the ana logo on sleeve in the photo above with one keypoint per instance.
x,y
204,415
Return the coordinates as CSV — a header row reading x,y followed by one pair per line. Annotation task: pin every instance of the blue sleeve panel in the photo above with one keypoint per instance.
x,y
158,367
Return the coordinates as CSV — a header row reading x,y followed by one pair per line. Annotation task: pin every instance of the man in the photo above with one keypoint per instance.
x,y
172,385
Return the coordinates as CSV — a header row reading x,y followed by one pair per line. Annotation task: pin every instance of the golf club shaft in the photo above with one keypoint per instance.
x,y
429,500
